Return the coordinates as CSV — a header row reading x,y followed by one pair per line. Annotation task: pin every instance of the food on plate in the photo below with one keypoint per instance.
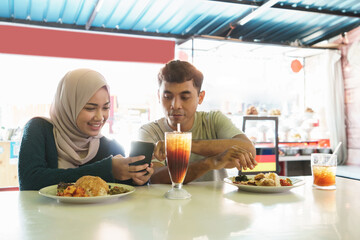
x,y
62,186
286,182
88,186
94,186
117,190
259,176
241,178
252,111
262,179
69,190
72,191
274,177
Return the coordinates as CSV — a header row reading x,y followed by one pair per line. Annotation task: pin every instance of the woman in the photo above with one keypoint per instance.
x,y
69,144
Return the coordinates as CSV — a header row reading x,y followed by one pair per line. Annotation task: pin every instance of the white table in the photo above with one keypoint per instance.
x,y
217,210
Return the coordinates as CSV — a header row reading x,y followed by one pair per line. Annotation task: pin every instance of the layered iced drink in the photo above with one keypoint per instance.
x,y
178,149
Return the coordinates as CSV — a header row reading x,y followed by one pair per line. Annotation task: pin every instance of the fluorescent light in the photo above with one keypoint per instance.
x,y
99,5
258,11
97,8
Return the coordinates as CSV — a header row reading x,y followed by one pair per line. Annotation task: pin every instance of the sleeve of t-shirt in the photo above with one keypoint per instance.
x,y
146,134
224,127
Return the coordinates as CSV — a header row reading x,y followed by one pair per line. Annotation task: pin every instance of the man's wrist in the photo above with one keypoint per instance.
x,y
209,163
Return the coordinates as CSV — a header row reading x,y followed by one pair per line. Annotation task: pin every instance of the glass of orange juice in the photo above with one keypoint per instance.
x,y
323,168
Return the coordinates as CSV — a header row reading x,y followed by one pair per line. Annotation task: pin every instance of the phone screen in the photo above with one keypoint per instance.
x,y
142,148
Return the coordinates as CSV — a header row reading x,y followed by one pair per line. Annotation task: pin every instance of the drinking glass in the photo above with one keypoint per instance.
x,y
323,168
178,149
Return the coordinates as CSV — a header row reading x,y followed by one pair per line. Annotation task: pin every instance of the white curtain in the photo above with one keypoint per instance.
x,y
325,91
334,101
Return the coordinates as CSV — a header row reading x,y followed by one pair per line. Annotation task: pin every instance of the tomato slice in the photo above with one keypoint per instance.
x,y
285,182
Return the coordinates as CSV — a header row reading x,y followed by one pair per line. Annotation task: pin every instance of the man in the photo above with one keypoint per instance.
x,y
217,144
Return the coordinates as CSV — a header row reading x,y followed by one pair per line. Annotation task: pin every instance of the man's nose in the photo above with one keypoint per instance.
x,y
176,103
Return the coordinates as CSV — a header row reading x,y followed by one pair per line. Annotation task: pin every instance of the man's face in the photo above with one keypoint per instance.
x,y
179,102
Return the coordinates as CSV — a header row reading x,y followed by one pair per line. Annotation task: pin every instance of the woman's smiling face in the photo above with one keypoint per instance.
x,y
95,113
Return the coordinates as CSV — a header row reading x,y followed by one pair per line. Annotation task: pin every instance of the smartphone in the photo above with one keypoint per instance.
x,y
138,148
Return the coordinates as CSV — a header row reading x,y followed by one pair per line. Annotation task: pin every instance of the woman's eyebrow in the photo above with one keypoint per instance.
x,y
94,104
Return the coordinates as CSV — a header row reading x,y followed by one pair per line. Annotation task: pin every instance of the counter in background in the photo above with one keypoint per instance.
x,y
9,152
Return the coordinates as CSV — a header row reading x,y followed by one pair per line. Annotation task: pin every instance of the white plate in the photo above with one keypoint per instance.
x,y
266,189
50,192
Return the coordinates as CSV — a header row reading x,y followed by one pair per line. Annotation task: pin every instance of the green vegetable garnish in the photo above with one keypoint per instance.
x,y
241,178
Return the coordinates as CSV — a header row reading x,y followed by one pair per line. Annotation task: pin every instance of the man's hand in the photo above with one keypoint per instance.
x,y
233,157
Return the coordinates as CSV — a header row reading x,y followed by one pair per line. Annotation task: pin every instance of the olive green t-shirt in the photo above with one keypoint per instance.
x,y
207,125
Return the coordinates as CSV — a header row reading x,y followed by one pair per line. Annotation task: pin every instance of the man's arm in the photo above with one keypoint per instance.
x,y
220,153
195,170
217,146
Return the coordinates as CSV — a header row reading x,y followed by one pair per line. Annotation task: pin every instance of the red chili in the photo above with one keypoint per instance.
x,y
285,182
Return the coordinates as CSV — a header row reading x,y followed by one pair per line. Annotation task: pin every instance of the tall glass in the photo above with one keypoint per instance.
x,y
178,149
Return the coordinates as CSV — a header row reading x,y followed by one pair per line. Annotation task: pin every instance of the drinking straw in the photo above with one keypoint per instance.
x,y
178,142
336,149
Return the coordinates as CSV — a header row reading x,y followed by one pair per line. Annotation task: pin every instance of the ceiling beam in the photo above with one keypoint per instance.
x,y
339,13
297,7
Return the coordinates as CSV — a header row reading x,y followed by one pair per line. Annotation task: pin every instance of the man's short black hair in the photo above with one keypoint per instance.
x,y
180,71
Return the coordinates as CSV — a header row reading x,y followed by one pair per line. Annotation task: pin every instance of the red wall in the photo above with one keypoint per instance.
x,y
84,45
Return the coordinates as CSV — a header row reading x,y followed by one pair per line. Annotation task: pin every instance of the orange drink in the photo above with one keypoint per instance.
x,y
178,150
324,175
323,170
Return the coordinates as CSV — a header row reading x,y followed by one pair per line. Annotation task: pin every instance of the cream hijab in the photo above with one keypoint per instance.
x,y
74,91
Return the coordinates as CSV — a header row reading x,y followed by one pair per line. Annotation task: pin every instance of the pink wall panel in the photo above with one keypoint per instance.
x,y
85,45
351,71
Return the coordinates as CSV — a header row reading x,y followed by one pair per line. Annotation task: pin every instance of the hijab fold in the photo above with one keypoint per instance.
x,y
74,91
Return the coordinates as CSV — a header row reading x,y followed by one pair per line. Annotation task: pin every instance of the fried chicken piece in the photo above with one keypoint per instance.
x,y
274,177
251,182
259,176
266,182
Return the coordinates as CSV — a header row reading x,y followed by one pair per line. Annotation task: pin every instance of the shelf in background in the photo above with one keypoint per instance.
x,y
294,158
